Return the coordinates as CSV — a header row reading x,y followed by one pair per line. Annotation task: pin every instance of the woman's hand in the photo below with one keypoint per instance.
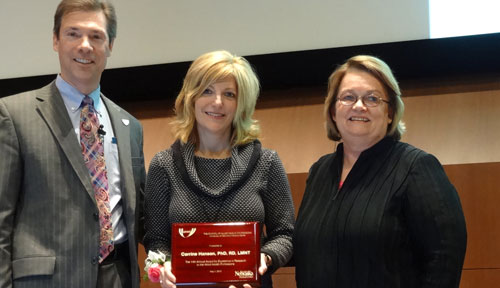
x,y
262,269
265,261
167,279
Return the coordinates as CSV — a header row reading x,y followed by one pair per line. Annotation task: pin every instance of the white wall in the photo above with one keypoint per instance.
x,y
164,31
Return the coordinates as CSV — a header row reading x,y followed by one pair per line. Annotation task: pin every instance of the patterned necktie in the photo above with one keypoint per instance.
x,y
93,155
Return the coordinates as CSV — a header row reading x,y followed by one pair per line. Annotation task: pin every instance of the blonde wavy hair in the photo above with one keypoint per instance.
x,y
206,70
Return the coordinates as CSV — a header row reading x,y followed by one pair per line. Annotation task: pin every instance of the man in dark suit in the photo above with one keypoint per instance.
x,y
71,168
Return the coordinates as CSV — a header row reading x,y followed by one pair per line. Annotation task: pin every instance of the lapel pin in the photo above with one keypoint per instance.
x,y
125,122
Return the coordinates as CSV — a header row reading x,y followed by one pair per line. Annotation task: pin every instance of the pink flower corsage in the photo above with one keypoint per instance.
x,y
154,262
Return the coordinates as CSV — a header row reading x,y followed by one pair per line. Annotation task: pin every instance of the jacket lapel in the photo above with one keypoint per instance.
x,y
52,109
121,128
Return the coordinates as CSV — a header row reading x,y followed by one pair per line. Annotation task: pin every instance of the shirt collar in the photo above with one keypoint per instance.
x,y
73,97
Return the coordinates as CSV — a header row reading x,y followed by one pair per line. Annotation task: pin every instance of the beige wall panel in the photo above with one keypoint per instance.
x,y
297,133
157,136
292,124
284,278
477,185
457,127
474,278
297,186
480,278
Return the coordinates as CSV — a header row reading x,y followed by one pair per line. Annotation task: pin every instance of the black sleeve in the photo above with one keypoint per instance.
x,y
436,224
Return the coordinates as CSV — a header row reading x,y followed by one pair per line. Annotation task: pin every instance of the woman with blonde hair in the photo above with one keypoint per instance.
x,y
376,213
217,171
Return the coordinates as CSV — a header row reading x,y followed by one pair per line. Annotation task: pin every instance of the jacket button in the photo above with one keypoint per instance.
x,y
96,216
95,260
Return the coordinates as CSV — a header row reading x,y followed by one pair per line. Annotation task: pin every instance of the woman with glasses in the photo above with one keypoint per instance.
x,y
377,212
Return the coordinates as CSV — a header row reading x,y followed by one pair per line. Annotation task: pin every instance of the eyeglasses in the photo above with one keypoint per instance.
x,y
369,100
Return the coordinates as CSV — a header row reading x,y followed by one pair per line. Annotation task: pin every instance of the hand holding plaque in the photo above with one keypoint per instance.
x,y
216,254
262,270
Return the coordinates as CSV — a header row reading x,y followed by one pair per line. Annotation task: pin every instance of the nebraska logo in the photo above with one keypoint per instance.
x,y
244,274
186,234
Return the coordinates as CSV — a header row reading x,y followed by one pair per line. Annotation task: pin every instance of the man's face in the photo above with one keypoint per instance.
x,y
83,46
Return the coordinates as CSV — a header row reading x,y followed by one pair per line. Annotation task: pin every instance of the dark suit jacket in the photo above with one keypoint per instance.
x,y
49,232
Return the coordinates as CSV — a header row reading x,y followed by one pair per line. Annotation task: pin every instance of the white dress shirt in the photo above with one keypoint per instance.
x,y
72,100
